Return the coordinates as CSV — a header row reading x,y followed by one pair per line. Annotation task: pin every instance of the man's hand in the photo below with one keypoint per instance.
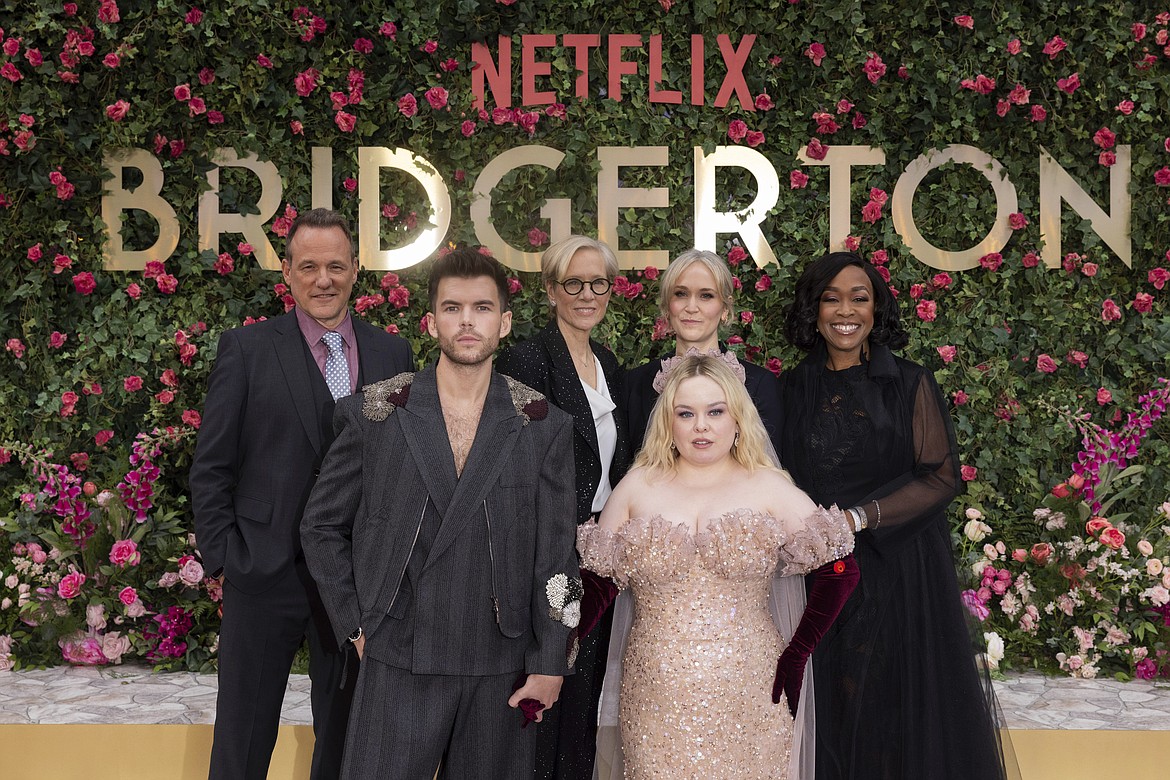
x,y
360,645
544,688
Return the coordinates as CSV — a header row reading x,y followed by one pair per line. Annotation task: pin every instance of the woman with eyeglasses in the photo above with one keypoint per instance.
x,y
583,378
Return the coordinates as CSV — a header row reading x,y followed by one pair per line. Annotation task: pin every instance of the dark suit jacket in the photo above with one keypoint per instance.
x,y
544,364
262,441
761,384
496,535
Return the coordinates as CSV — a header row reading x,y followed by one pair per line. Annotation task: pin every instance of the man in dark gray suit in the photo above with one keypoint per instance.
x,y
267,423
441,533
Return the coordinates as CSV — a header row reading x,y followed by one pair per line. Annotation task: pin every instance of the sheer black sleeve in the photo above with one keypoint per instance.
x,y
933,480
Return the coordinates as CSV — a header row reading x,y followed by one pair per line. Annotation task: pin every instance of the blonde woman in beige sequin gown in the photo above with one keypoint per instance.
x,y
696,530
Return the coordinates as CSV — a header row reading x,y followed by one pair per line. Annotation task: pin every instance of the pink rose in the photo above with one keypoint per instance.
x,y
192,418
193,17
1080,359
1143,302
1045,363
969,473
1162,177
57,339
16,347
1105,138
1069,85
306,81
82,650
816,150
95,616
755,138
132,384
852,243
182,93
128,595
1014,47
1039,113
196,106
191,573
1103,396
797,180
1112,538
136,610
763,102
1054,47
1125,107
70,585
1110,311
263,61
1095,525
965,21
927,310
84,283
1159,276
1020,95
991,261
736,255
168,579
117,111
947,353
1139,31
1107,159
764,283
737,130
345,121
467,128
859,120
114,646
407,105
1018,221
874,68
437,97
816,53
125,553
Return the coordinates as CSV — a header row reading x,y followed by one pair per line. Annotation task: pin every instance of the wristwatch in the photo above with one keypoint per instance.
x,y
356,635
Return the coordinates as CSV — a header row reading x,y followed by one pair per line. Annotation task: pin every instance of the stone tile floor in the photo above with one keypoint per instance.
x,y
134,695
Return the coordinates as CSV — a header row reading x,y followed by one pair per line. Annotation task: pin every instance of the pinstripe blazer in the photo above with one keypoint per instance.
x,y
505,529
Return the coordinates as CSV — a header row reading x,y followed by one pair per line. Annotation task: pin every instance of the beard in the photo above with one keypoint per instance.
x,y
468,354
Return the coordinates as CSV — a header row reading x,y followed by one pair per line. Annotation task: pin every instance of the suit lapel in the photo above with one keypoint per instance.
x,y
496,436
566,386
289,344
374,362
426,435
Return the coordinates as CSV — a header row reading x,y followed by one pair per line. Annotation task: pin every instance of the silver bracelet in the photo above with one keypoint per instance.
x,y
856,519
879,513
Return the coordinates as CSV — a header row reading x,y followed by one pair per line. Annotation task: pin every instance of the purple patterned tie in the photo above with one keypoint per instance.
x,y
336,366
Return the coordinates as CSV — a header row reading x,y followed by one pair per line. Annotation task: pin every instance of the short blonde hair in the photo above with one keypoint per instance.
x,y
713,262
555,260
658,453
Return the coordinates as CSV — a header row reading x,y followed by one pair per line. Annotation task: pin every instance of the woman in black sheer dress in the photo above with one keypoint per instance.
x,y
898,694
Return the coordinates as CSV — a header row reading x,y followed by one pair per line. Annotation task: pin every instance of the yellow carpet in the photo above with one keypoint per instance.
x,y
180,753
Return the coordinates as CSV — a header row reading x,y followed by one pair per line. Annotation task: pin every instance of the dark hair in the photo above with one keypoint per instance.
x,y
801,319
467,263
318,218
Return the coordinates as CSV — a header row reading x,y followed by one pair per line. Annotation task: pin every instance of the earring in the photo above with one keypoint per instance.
x,y
735,441
552,303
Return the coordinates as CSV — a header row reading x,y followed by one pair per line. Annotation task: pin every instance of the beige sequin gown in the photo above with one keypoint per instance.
x,y
697,681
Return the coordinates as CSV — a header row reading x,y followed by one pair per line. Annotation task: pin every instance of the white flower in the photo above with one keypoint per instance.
x,y
557,589
975,530
571,615
12,581
1154,567
979,565
1145,548
1157,595
973,514
994,649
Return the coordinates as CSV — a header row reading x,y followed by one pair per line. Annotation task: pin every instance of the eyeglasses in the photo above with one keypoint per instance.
x,y
574,286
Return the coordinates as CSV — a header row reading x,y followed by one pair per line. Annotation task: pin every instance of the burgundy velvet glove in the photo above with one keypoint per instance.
x,y
599,594
528,707
831,587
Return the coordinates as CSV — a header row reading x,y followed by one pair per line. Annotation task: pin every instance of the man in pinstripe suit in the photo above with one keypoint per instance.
x,y
441,534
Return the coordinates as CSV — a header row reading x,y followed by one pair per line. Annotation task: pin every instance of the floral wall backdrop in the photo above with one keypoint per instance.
x,y
1053,373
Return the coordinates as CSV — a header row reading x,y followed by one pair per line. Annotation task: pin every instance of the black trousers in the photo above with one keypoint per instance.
x,y
259,637
405,726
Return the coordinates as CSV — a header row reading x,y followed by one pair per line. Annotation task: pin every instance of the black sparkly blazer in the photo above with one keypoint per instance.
x,y
544,364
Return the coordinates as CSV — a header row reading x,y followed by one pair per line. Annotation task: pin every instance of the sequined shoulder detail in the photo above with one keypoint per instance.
x,y
597,547
741,543
529,404
824,536
643,550
382,398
